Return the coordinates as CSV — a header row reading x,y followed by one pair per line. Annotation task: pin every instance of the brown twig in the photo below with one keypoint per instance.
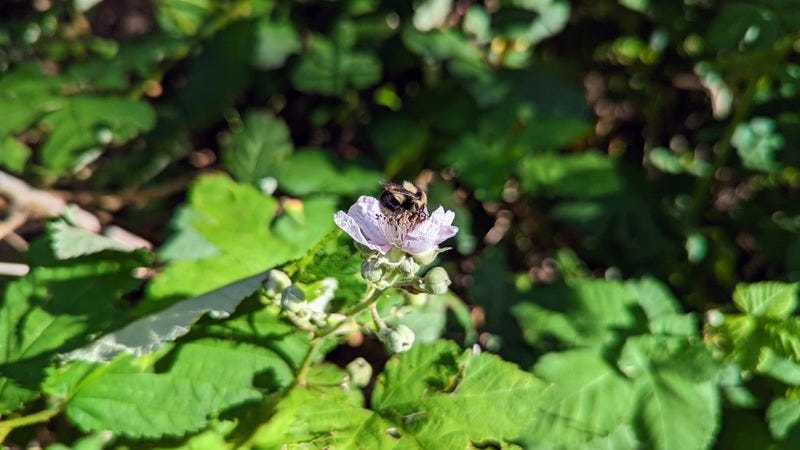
x,y
28,203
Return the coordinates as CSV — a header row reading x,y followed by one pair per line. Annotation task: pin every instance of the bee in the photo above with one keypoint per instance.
x,y
405,204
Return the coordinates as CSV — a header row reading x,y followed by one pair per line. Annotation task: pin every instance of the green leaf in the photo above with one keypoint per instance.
x,y
443,399
86,124
769,299
25,95
328,68
258,150
275,41
588,400
208,91
758,143
183,17
204,378
70,242
329,416
54,309
314,171
483,164
583,313
686,357
13,154
779,368
236,220
582,175
782,415
148,333
186,242
677,404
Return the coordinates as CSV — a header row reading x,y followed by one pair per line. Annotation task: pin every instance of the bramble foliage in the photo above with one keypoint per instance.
x,y
623,175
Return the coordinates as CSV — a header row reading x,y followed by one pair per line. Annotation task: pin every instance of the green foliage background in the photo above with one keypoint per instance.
x,y
623,172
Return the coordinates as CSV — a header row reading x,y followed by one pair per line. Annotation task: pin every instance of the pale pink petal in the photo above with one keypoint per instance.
x,y
349,225
366,224
366,212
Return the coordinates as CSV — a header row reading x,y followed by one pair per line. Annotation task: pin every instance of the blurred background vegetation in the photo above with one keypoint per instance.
x,y
612,138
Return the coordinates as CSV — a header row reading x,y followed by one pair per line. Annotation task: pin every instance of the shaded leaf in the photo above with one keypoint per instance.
x,y
87,123
328,68
257,151
583,175
314,171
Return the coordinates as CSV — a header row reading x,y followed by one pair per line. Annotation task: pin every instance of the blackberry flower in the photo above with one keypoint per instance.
x,y
369,226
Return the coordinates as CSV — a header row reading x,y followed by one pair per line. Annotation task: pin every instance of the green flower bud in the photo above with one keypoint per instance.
x,y
293,299
394,255
360,372
436,281
397,340
427,257
408,267
318,319
276,282
371,271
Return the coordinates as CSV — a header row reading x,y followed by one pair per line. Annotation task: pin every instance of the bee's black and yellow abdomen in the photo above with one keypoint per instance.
x,y
406,198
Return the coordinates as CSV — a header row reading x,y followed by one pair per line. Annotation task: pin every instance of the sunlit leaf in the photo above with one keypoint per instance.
x,y
204,378
56,308
238,220
589,400
770,299
443,398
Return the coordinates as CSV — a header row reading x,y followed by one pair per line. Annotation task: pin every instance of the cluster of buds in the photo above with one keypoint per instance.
x,y
306,306
399,269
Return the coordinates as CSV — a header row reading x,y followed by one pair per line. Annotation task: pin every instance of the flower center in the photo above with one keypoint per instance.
x,y
397,225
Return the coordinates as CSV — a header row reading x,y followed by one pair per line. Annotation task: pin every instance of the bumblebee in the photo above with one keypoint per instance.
x,y
405,204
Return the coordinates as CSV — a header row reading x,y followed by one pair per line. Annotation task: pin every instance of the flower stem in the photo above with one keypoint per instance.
x,y
368,300
373,309
6,426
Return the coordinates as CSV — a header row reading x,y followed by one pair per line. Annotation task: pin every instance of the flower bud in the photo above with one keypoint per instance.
x,y
408,267
360,372
318,319
427,257
371,271
293,299
397,340
436,281
276,282
394,256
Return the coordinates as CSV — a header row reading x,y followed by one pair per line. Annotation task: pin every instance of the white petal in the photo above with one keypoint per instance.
x,y
367,214
430,233
364,223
